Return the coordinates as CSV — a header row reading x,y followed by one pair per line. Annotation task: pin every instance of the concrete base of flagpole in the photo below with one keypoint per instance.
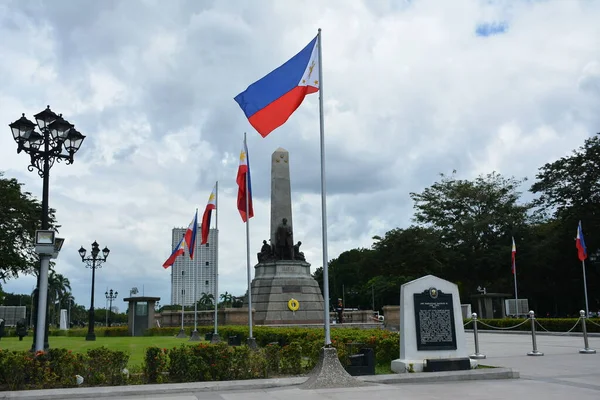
x,y
329,373
195,336
181,334
587,351
215,338
251,342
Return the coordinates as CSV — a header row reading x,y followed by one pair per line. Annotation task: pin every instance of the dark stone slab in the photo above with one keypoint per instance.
x,y
446,364
434,320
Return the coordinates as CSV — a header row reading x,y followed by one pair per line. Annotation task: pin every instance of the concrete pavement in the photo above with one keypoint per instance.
x,y
562,373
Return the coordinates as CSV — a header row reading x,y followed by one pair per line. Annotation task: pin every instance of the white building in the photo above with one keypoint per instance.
x,y
202,269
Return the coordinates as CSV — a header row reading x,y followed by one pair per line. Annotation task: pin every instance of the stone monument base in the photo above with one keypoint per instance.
x,y
277,282
402,365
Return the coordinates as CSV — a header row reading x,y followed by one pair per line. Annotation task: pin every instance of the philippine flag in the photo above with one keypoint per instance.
x,y
514,256
270,101
243,173
580,244
190,235
212,205
179,250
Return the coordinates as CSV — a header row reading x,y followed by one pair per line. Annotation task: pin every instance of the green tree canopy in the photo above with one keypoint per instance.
x,y
20,216
475,220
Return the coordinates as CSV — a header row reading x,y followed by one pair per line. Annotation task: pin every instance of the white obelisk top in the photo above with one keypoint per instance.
x,y
281,193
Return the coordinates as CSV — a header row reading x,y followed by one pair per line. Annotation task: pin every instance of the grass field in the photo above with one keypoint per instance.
x,y
135,346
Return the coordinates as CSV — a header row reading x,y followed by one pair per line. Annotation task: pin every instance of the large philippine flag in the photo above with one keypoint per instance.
x,y
241,182
190,235
580,243
211,205
179,250
270,101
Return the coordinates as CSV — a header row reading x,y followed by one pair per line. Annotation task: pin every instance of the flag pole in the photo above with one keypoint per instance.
x,y
195,287
323,200
216,299
585,289
516,295
248,241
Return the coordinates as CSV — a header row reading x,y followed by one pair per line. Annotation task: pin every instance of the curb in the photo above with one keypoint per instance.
x,y
446,376
254,384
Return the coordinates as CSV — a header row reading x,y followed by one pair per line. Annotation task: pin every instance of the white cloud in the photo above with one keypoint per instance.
x,y
410,90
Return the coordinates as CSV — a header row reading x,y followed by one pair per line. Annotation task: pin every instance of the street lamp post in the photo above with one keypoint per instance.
x,y
93,262
110,296
56,140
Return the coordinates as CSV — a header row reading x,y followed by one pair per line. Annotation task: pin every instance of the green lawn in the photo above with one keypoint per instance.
x,y
135,346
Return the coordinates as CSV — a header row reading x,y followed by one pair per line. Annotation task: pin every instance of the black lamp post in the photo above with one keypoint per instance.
x,y
93,262
110,296
56,140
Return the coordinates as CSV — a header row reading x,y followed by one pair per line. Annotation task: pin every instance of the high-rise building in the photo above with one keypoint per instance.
x,y
202,269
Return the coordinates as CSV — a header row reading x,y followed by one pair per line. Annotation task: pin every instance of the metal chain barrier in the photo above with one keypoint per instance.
x,y
535,351
586,349
468,322
477,355
495,327
559,333
593,323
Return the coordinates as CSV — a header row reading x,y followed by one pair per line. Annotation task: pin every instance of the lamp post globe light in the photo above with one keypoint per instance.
x,y
56,140
110,296
93,261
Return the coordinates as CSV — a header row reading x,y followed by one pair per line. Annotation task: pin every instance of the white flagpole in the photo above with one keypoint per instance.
x,y
195,286
248,241
587,311
515,279
323,200
516,295
216,299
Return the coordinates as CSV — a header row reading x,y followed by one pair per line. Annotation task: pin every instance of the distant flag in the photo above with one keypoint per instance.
x,y
190,235
241,181
270,101
178,251
514,256
211,205
580,244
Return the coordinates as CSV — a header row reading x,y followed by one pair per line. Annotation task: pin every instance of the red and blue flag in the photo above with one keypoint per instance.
x,y
580,244
270,101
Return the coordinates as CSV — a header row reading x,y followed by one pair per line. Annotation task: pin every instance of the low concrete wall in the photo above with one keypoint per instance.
x,y
228,316
392,317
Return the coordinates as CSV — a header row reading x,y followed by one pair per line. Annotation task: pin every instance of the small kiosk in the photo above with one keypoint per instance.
x,y
141,314
490,305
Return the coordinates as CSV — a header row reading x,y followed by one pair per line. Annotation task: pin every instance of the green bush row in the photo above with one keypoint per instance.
x,y
58,368
384,343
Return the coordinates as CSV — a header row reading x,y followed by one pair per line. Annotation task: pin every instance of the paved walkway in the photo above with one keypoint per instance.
x,y
562,373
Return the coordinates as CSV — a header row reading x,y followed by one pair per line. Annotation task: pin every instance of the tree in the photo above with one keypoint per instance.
x,y
206,301
226,299
58,287
569,191
20,216
570,186
475,221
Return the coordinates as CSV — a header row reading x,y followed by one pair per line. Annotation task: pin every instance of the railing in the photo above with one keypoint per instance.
x,y
534,322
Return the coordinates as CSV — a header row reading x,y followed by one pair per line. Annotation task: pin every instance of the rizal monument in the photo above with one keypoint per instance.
x,y
283,291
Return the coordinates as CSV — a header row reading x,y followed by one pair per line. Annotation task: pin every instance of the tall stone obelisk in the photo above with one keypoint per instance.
x,y
281,192
283,290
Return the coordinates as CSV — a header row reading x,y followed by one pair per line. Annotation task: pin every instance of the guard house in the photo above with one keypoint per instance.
x,y
490,305
141,314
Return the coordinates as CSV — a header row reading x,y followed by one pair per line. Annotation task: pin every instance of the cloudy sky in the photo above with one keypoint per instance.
x,y
411,89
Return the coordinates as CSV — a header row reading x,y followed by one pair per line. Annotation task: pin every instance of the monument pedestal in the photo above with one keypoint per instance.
x,y
275,283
